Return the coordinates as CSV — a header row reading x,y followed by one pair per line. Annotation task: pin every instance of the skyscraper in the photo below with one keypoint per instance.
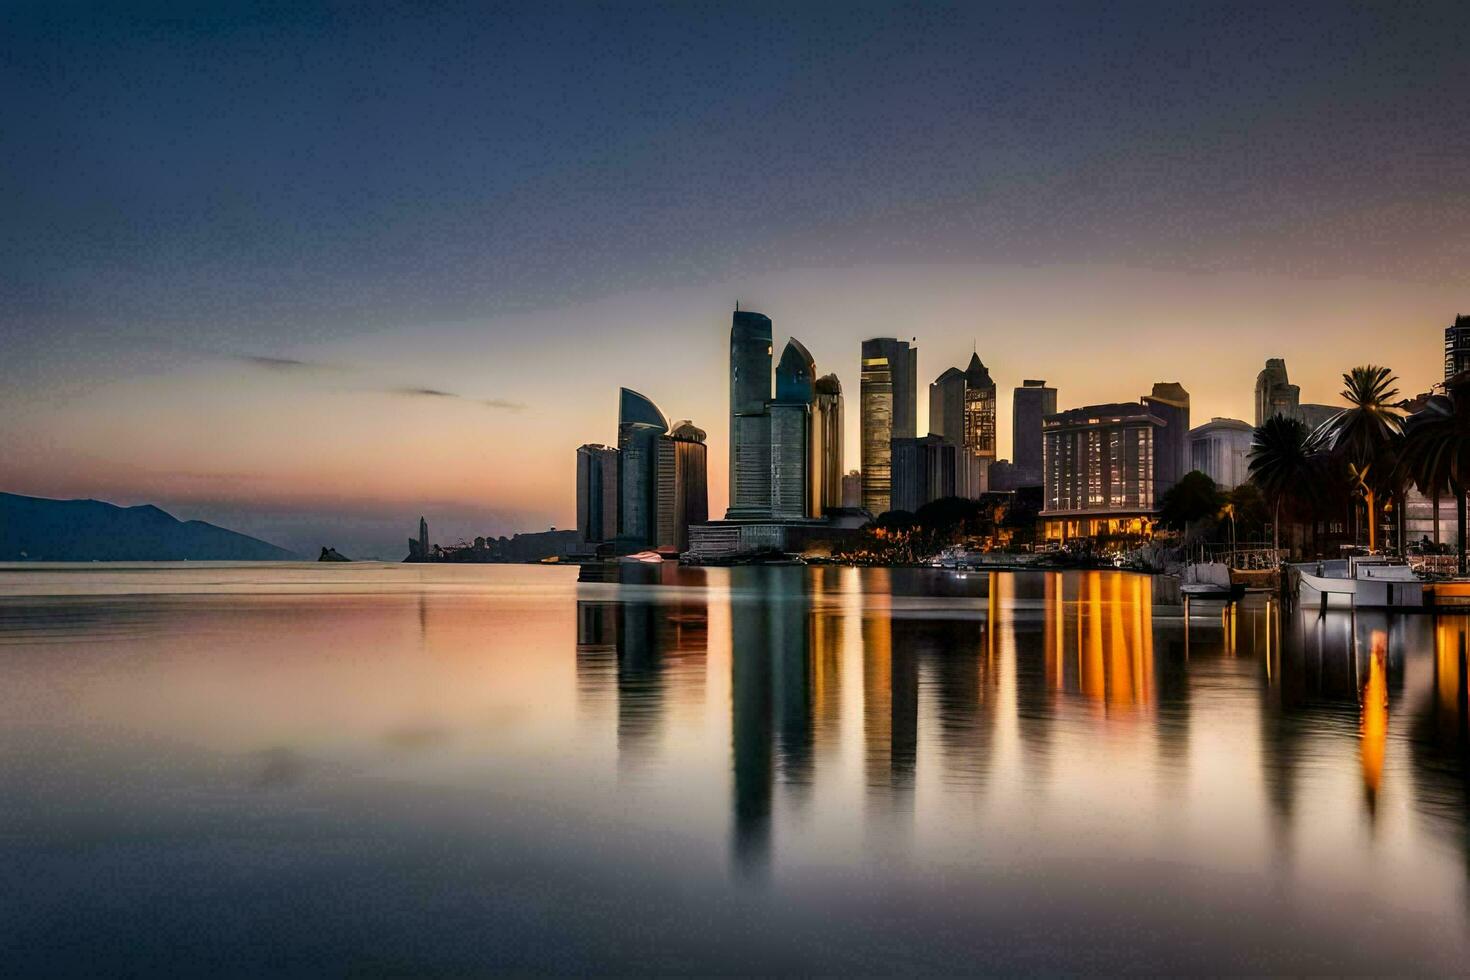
x,y
597,493
888,393
792,443
1457,347
683,491
924,470
1030,403
640,426
750,424
827,424
1170,402
962,412
1275,394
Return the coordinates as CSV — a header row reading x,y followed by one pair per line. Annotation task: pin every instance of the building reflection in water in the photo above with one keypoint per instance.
x,y
949,657
637,652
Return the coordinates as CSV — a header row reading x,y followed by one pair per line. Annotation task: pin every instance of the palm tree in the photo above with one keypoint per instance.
x,y
1281,464
1366,432
1436,452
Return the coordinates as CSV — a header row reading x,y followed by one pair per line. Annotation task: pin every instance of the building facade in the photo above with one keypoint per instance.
x,y
1275,394
962,412
1457,347
750,423
793,456
1106,466
683,489
889,405
924,470
1221,449
597,493
828,438
641,427
1030,403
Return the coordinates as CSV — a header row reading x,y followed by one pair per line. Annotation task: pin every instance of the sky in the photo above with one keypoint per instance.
x,y
310,271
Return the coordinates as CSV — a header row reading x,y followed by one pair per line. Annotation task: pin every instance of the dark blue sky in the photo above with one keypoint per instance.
x,y
191,180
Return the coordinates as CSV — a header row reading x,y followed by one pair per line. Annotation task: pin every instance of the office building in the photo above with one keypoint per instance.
x,y
793,479
640,428
962,412
750,423
1107,466
1030,403
1457,347
924,469
888,395
1221,449
683,491
1275,394
1170,402
597,493
828,439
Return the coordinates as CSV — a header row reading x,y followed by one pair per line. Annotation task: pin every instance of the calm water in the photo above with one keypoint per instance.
x,y
419,769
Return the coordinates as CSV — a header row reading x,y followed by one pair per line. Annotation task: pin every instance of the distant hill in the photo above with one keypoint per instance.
x,y
40,529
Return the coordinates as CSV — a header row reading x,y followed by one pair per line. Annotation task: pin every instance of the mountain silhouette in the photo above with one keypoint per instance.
x,y
41,529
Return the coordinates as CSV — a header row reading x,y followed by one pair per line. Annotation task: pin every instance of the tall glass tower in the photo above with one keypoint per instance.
x,y
750,423
889,404
640,426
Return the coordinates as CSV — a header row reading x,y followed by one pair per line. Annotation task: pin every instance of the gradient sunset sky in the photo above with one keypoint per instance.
x,y
311,271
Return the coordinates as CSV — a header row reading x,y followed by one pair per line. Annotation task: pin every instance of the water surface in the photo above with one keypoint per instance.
x,y
386,768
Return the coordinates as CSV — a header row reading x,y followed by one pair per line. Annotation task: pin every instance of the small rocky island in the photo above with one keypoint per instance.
x,y
332,554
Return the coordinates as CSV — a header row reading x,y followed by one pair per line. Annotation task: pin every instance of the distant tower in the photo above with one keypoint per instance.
x,y
889,405
597,493
1030,403
423,536
1170,402
750,425
827,443
792,467
962,412
1457,347
640,426
1275,394
683,488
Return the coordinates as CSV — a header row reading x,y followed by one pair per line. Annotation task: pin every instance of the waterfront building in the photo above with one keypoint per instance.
x,y
828,439
640,428
1030,403
1170,402
1275,394
962,412
793,477
889,410
597,493
924,470
683,491
1107,466
750,422
1457,347
1220,449
423,536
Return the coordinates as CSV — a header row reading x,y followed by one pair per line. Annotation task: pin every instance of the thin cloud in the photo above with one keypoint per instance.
x,y
292,365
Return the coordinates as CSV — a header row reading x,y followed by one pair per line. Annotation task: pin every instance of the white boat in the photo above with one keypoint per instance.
x,y
1370,582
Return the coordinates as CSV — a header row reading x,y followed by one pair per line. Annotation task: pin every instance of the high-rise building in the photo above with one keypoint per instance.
x,y
962,412
683,491
1457,347
924,469
597,493
1030,403
852,488
1170,402
827,424
1220,449
792,459
1107,466
750,423
889,406
1275,394
640,426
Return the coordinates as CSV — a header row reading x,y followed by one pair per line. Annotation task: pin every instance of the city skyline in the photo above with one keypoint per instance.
x,y
438,271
